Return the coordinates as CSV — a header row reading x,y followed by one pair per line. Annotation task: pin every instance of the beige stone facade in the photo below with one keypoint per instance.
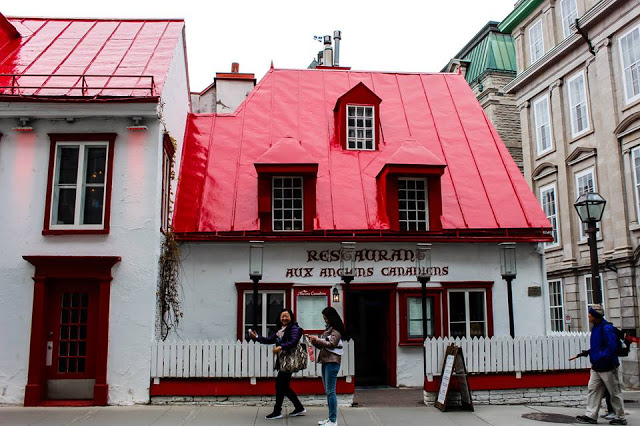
x,y
579,103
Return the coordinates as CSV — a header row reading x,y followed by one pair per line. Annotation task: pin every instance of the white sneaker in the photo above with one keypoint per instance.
x,y
609,416
323,422
331,423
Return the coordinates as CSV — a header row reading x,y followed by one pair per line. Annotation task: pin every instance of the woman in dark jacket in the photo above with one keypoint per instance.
x,y
286,338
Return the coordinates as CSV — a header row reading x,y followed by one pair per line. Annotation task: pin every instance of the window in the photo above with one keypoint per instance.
x,y
588,285
569,16
412,204
414,317
635,158
274,300
79,186
309,305
548,201
167,175
585,182
410,310
287,203
630,58
555,305
536,43
467,313
578,105
360,127
542,124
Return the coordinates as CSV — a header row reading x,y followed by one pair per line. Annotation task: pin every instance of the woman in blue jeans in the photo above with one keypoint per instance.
x,y
330,345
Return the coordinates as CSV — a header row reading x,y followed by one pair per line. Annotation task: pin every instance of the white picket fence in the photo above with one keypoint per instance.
x,y
231,360
506,354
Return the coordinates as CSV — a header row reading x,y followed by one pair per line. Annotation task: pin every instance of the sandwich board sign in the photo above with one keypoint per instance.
x,y
454,368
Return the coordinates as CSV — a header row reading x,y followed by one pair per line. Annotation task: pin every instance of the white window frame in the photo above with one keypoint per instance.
x,y
552,307
569,15
467,310
634,67
535,41
80,186
416,211
635,156
539,125
581,104
555,218
578,176
364,129
587,278
273,199
263,317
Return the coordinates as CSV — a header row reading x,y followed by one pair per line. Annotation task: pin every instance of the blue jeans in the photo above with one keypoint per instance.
x,y
329,379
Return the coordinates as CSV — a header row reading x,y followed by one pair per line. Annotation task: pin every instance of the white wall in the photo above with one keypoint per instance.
x,y
212,269
134,235
231,93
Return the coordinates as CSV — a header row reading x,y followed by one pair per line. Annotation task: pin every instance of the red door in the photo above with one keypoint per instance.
x,y
71,339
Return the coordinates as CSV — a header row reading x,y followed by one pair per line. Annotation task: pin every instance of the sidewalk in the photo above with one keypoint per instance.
x,y
229,415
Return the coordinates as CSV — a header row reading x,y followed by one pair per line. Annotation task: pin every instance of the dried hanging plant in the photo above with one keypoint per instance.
x,y
169,287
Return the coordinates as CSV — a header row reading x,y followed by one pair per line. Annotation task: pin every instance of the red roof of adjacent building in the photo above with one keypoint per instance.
x,y
110,58
423,117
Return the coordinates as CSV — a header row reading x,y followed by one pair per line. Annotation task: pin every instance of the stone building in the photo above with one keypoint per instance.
x,y
578,93
488,63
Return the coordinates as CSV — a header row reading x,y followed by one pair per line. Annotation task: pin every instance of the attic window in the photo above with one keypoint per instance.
x,y
360,127
413,214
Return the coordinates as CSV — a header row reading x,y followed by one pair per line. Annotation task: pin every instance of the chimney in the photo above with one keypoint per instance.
x,y
235,67
328,52
337,36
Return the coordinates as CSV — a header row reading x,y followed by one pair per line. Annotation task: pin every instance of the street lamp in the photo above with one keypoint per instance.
x,y
347,269
508,272
256,249
423,274
590,207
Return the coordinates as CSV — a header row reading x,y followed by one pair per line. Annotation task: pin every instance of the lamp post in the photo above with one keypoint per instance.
x,y
423,274
590,207
256,249
508,272
347,270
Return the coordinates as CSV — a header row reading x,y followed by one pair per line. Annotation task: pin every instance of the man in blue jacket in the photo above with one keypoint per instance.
x,y
604,369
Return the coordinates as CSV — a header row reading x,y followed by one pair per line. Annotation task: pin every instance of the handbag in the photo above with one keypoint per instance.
x,y
294,359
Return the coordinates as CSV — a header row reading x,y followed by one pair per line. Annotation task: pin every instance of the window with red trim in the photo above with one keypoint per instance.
x,y
357,118
287,197
468,315
79,183
274,296
412,197
411,316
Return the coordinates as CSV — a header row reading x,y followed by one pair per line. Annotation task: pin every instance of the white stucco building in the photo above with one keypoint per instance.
x,y
88,111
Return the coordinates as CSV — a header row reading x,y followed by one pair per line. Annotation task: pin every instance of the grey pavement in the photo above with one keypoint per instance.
x,y
243,415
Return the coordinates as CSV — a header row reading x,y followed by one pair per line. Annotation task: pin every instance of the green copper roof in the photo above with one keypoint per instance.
x,y
517,15
489,50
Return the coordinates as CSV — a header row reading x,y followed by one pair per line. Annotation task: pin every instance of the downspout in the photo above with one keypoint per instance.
x,y
545,290
584,36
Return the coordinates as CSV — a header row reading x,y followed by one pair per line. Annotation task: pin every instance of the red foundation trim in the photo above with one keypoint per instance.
x,y
528,380
242,387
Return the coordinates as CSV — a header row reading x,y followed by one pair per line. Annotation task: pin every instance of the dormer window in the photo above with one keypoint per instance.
x,y
360,127
287,203
357,119
413,214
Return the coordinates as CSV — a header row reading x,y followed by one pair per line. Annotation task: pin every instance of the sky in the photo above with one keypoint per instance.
x,y
392,35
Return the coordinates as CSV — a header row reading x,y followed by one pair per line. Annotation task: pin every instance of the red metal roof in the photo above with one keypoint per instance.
x,y
109,58
426,116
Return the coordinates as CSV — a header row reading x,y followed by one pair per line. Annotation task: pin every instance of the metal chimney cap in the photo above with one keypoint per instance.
x,y
337,35
327,40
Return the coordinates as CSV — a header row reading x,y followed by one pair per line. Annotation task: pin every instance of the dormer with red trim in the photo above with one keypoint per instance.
x,y
409,187
287,176
357,119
